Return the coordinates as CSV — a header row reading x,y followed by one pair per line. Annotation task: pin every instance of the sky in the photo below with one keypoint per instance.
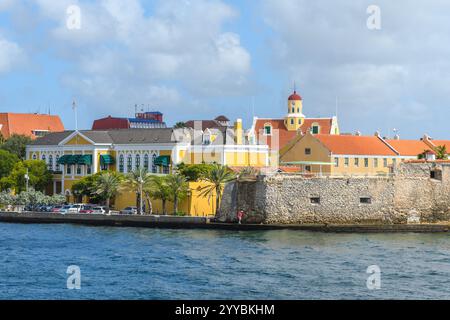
x,y
197,59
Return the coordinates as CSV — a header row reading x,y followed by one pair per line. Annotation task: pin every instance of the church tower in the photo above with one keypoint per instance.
x,y
294,118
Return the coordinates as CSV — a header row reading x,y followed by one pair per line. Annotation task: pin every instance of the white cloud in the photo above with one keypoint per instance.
x,y
395,77
11,55
123,54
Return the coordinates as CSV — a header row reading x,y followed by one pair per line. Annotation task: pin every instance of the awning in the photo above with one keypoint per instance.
x,y
85,159
106,159
162,161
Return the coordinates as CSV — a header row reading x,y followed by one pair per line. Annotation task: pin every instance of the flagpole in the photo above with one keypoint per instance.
x,y
74,107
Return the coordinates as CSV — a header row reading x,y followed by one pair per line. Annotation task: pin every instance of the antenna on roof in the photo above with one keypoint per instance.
x,y
74,108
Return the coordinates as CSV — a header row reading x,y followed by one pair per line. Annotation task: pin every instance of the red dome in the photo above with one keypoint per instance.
x,y
294,96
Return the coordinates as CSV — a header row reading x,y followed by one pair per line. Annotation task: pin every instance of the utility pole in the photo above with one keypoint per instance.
x,y
141,183
74,108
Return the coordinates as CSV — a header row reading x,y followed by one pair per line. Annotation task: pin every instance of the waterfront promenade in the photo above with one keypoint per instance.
x,y
176,222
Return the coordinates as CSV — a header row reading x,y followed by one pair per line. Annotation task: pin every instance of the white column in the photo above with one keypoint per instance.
x,y
62,178
94,162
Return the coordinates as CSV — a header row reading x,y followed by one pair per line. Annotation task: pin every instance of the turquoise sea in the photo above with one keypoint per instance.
x,y
135,263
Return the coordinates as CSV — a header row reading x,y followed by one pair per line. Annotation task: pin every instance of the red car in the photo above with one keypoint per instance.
x,y
86,209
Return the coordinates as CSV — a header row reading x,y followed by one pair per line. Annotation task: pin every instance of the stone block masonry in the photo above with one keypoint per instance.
x,y
415,192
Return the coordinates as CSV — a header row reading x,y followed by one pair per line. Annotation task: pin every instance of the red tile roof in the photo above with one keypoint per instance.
x,y
285,136
355,145
295,96
408,147
438,143
26,123
110,123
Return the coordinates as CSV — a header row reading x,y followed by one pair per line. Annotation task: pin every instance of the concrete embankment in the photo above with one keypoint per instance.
x,y
174,222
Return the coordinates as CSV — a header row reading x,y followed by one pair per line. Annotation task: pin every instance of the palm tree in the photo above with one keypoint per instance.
x,y
218,176
441,152
179,125
136,181
178,187
107,185
158,189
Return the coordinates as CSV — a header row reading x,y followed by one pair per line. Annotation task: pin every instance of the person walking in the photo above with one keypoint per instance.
x,y
240,215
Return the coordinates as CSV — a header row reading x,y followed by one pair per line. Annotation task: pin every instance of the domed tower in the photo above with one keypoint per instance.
x,y
294,118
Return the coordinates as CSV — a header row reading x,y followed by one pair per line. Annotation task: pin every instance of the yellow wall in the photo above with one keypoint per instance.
x,y
297,105
77,140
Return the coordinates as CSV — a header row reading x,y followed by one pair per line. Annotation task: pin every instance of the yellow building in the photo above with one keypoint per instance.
x,y
72,155
341,154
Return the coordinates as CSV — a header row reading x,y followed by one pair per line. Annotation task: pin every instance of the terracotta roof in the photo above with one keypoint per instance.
x,y
285,136
26,123
438,143
408,147
295,96
222,118
355,145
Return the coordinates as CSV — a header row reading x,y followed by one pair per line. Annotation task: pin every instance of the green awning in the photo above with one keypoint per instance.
x,y
85,159
162,161
106,159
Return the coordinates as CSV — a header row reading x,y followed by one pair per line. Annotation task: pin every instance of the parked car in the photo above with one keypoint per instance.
x,y
75,208
57,208
87,208
46,208
129,210
65,209
99,210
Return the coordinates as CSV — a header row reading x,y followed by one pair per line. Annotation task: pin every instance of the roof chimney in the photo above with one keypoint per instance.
x,y
358,133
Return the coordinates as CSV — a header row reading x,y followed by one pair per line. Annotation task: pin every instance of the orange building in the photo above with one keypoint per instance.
x,y
29,124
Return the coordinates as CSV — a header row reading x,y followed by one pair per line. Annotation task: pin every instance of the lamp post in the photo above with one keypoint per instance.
x,y
27,178
141,182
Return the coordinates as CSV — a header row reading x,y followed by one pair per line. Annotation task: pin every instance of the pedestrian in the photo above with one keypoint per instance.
x,y
240,215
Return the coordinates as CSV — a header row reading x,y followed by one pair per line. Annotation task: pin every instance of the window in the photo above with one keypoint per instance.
x,y
34,157
346,162
153,163
375,163
385,162
268,130
336,162
129,163
366,162
292,121
293,109
394,161
78,170
308,168
356,162
146,162
315,130
436,174
299,121
137,161
315,200
121,163
43,157
307,150
69,169
88,169
50,162
298,110
365,200
166,170
57,164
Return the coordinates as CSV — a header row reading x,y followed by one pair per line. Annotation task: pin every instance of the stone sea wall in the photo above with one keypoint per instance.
x,y
416,192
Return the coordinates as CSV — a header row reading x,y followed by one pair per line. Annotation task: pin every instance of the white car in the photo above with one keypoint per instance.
x,y
99,210
75,208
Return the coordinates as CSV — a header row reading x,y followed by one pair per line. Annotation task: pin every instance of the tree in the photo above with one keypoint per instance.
x,y
178,188
136,181
158,189
218,176
194,172
179,125
39,176
107,186
16,144
85,187
7,162
7,198
31,198
441,152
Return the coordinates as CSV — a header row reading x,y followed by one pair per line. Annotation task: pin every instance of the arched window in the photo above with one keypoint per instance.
x,y
146,161
43,157
129,163
50,162
56,162
34,157
153,163
137,161
121,163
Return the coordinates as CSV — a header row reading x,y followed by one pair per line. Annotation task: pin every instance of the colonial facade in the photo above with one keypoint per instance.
x,y
349,154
